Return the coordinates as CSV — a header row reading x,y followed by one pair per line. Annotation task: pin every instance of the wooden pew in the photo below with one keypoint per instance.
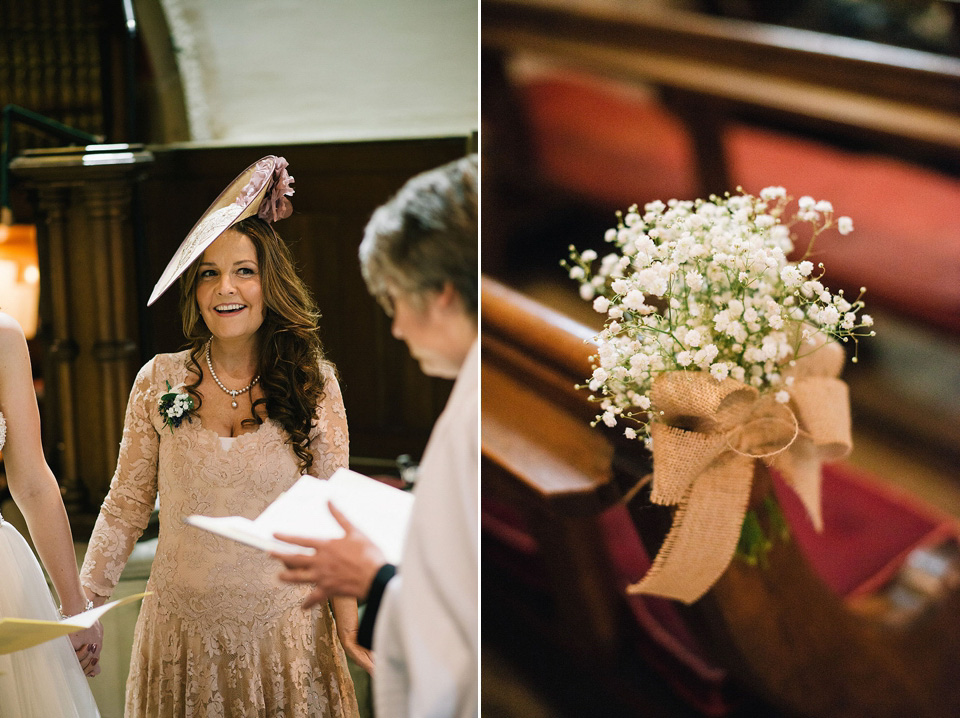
x,y
778,630
902,100
748,102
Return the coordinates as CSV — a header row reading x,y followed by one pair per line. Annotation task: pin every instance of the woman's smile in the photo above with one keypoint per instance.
x,y
229,310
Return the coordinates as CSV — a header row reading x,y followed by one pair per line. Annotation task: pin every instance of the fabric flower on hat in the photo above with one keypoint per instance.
x,y
275,205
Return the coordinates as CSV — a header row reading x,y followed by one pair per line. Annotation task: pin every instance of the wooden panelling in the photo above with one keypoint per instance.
x,y
82,204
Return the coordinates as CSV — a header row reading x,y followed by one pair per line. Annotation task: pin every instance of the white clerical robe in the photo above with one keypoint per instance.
x,y
426,633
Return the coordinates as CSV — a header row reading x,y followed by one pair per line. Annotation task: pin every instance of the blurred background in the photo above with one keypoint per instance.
x,y
590,106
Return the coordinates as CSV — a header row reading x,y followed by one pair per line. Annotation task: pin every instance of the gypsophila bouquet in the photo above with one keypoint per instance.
x,y
174,406
706,286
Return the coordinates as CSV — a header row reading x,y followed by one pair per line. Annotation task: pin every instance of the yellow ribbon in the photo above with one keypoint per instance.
x,y
704,446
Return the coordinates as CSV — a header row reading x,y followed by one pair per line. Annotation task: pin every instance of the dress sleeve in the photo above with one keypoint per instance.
x,y
330,440
132,496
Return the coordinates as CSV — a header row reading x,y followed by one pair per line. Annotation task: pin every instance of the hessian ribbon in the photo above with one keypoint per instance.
x,y
705,444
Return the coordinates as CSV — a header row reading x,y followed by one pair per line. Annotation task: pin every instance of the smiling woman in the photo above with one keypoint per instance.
x,y
228,287
262,406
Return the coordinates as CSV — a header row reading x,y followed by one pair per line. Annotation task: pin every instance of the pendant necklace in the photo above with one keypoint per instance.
x,y
234,393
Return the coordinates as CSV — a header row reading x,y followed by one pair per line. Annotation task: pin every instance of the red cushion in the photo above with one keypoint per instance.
x,y
509,544
868,529
607,142
664,638
618,146
905,247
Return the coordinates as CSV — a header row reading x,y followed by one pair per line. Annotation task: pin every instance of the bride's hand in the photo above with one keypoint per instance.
x,y
88,644
357,653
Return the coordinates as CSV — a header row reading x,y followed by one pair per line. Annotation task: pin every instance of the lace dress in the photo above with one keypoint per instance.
x,y
220,636
45,681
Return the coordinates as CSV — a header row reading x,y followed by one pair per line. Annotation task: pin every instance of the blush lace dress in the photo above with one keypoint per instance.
x,y
45,681
220,636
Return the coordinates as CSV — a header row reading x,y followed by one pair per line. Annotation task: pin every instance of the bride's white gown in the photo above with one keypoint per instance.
x,y
45,681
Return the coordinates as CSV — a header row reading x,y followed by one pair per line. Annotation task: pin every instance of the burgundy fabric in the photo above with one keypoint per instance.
x,y
905,247
617,146
869,529
608,142
664,638
509,544
508,525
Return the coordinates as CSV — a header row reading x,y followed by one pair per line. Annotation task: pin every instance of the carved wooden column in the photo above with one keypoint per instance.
x,y
88,310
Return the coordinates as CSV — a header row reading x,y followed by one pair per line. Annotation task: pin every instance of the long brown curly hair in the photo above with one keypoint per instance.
x,y
291,358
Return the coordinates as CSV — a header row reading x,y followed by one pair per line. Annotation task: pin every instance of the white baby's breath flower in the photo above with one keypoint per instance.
x,y
703,357
706,286
620,286
829,316
694,280
791,276
719,370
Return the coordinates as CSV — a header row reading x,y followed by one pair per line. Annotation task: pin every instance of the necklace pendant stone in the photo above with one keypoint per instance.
x,y
234,403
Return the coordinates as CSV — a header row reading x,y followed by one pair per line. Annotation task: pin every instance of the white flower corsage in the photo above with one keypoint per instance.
x,y
175,406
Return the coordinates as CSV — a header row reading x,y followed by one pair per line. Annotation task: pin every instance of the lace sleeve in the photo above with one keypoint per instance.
x,y
132,496
330,440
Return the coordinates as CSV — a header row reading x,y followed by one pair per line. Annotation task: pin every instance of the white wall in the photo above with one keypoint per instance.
x,y
315,70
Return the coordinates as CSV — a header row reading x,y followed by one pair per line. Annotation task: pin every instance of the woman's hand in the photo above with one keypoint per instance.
x,y
357,653
348,623
88,644
338,567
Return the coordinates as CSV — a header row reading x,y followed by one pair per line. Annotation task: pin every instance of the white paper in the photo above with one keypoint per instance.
x,y
380,511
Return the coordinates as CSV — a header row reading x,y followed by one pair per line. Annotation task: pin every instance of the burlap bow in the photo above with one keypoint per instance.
x,y
704,446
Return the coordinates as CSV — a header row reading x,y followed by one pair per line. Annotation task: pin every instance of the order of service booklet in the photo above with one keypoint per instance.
x,y
380,511
19,633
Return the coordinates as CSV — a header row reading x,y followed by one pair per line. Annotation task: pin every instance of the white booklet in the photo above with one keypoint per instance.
x,y
19,633
380,511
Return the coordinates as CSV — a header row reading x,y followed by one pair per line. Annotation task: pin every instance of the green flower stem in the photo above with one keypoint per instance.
x,y
761,529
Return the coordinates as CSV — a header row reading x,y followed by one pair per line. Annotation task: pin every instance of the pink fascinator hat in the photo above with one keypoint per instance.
x,y
261,189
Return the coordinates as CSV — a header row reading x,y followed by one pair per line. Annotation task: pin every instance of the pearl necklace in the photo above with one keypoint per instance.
x,y
234,393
